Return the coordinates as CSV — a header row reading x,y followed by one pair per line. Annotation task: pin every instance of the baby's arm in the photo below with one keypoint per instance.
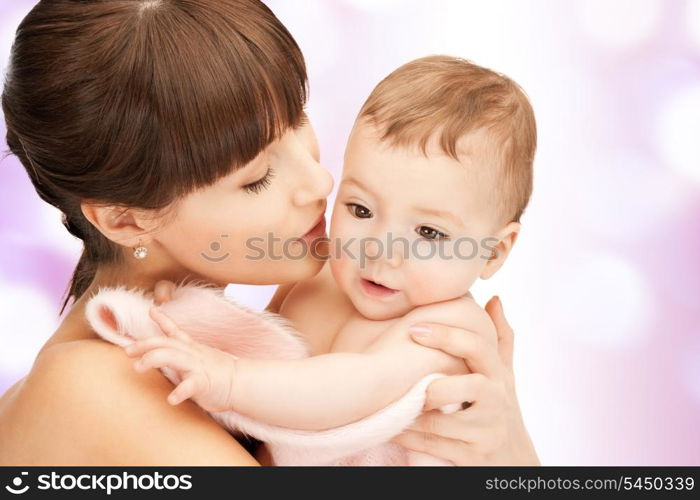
x,y
314,393
332,389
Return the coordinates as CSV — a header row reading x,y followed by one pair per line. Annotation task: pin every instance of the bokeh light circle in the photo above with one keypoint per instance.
x,y
28,319
678,129
692,19
620,24
603,301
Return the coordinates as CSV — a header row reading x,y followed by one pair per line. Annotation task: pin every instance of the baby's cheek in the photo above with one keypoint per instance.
x,y
436,280
342,267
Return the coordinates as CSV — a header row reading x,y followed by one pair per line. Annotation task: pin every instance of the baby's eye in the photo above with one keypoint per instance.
x,y
429,233
359,211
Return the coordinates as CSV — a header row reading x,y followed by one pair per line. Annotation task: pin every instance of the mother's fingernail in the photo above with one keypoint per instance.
x,y
419,330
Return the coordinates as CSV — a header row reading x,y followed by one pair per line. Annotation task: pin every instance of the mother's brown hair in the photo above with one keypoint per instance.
x,y
135,103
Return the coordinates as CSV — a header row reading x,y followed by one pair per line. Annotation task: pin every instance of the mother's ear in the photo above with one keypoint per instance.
x,y
506,239
128,227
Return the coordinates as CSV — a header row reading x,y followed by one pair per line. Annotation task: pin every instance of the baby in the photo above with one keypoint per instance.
x,y
437,172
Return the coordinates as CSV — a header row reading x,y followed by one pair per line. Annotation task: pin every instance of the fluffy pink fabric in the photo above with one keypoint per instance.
x,y
120,316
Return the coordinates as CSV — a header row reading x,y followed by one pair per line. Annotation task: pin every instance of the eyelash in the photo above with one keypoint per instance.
x,y
354,212
264,182
260,184
352,207
440,234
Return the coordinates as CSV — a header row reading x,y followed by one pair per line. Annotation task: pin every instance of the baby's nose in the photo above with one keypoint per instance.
x,y
396,251
373,248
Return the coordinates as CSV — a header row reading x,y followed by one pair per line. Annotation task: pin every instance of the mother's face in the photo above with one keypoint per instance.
x,y
245,227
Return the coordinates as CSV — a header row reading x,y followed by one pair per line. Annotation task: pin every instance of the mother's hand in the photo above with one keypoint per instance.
x,y
489,431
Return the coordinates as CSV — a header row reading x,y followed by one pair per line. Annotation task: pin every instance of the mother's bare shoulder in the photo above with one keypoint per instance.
x,y
84,404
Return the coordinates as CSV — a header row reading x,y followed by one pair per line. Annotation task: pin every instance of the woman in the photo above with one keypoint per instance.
x,y
170,134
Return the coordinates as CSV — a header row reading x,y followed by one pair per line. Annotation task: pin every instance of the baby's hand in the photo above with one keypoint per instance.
x,y
163,291
206,374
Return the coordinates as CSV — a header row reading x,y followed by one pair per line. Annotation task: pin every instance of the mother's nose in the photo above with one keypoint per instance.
x,y
315,184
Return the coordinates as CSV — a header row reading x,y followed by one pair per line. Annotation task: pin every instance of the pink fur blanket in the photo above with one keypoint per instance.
x,y
208,316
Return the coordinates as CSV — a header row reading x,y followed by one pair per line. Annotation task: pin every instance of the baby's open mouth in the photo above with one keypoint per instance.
x,y
375,289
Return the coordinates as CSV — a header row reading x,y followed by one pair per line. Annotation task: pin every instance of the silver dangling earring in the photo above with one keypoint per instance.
x,y
140,251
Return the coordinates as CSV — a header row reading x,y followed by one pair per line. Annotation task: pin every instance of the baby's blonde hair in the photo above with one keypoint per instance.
x,y
447,98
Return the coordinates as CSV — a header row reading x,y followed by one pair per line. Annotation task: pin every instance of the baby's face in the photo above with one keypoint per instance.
x,y
407,229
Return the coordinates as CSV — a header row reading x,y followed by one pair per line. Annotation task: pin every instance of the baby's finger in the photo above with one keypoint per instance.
x,y
139,347
166,357
168,325
185,390
163,291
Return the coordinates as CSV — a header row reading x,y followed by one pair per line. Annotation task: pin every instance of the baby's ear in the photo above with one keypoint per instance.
x,y
499,252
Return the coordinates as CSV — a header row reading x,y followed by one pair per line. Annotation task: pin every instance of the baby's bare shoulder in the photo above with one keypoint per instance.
x,y
319,295
358,333
318,309
461,312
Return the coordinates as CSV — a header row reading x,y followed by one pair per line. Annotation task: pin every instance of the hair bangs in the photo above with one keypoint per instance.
x,y
217,86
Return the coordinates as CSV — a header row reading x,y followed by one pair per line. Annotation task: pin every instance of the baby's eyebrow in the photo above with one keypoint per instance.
x,y
427,211
354,181
440,213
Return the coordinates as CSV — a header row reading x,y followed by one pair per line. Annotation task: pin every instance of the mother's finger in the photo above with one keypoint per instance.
x,y
494,308
168,325
460,425
455,389
456,451
479,355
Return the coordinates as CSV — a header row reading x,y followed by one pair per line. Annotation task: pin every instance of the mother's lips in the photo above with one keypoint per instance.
x,y
317,230
318,220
